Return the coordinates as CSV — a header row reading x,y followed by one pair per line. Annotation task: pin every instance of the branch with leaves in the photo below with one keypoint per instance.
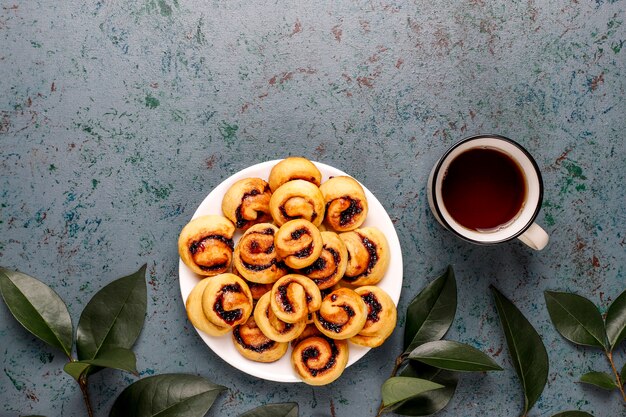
x,y
528,353
427,369
578,320
107,330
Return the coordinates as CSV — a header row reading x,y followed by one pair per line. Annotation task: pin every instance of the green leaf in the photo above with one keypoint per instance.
x,y
599,379
75,369
113,318
429,402
274,410
527,351
115,358
616,321
430,314
573,414
167,395
453,356
576,318
400,388
38,308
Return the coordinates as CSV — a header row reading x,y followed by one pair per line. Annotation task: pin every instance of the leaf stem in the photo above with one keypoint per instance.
x,y
620,383
399,360
83,387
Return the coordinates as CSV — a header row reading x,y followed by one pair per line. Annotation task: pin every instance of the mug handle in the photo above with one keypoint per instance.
x,y
535,237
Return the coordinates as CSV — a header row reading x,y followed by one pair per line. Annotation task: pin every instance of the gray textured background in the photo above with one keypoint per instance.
x,y
118,117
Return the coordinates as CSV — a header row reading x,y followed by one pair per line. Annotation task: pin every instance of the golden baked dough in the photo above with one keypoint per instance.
x,y
257,290
346,204
227,301
271,326
328,269
297,199
255,257
319,360
342,314
254,345
381,317
293,297
205,244
196,316
247,202
298,243
294,168
368,256
309,331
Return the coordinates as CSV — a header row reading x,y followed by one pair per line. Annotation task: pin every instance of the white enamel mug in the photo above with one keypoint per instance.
x,y
523,225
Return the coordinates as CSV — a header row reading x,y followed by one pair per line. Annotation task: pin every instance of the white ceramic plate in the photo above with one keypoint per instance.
x,y
282,370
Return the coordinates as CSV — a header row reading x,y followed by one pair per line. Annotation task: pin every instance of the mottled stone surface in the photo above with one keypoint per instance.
x,y
118,117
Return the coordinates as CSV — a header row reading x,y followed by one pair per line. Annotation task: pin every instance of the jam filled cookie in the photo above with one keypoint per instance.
x,y
381,317
205,245
255,256
293,297
196,315
294,168
297,199
247,202
342,314
271,326
227,301
298,243
328,269
319,360
368,256
254,345
346,204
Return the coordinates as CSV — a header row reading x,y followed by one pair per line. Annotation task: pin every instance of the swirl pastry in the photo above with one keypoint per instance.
x,y
196,316
293,297
255,256
309,331
319,360
297,199
329,268
271,326
205,245
294,168
342,314
298,243
247,202
227,301
254,345
368,256
381,317
346,204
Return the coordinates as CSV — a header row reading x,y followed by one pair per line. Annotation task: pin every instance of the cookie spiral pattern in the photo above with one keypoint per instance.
x,y
381,317
298,243
293,297
271,326
205,245
297,199
294,168
368,256
346,204
328,269
247,202
342,314
319,360
250,341
227,301
255,256
196,315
